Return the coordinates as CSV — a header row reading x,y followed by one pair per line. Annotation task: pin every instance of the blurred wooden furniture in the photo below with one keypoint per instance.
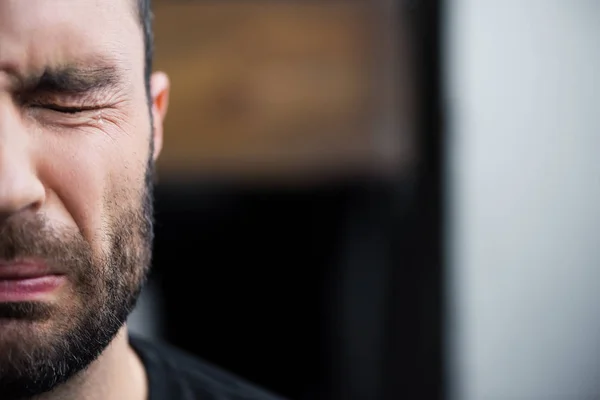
x,y
274,89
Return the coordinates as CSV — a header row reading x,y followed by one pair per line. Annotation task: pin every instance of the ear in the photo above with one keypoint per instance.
x,y
159,90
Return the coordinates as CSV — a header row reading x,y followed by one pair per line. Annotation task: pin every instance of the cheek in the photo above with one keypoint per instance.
x,y
90,177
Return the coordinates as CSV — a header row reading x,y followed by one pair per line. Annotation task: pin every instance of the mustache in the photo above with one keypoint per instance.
x,y
64,250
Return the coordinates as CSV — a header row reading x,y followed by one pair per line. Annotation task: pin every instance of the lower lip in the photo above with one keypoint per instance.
x,y
29,289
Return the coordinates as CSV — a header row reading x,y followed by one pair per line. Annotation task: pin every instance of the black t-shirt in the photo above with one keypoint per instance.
x,y
175,375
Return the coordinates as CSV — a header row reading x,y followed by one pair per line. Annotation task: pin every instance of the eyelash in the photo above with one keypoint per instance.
x,y
62,109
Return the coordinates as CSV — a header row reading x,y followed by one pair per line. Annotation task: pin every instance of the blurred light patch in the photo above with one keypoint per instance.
x,y
265,89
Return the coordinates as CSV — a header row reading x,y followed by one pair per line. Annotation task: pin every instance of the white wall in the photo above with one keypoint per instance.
x,y
524,228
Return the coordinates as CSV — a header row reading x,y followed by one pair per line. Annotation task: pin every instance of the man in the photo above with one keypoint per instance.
x,y
80,129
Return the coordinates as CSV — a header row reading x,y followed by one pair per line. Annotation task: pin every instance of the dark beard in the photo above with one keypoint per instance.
x,y
43,345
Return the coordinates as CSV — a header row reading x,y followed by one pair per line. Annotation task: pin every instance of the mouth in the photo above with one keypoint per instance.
x,y
27,280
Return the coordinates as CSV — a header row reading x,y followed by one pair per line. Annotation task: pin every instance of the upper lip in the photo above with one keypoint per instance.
x,y
24,269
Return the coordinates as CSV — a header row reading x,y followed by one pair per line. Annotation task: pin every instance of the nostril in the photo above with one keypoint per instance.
x,y
20,191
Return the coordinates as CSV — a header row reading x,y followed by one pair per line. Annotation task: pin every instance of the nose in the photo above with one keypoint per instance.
x,y
20,188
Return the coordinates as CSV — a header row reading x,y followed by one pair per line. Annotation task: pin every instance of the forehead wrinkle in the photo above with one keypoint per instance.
x,y
53,32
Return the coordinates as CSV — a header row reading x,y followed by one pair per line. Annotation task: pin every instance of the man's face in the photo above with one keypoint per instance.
x,y
75,190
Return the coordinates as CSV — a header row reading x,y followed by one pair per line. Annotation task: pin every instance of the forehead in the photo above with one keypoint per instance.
x,y
41,33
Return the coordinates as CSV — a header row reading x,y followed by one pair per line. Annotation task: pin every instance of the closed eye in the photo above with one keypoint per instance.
x,y
63,109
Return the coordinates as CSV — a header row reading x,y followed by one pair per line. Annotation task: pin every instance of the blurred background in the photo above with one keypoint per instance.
x,y
379,199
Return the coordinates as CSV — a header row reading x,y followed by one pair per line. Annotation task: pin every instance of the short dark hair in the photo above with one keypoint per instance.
x,y
144,11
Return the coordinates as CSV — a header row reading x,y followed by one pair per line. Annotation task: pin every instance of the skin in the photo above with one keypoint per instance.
x,y
73,166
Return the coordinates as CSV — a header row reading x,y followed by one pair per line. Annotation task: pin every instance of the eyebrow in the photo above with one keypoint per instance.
x,y
71,80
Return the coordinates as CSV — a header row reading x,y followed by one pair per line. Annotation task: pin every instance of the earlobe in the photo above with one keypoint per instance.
x,y
159,88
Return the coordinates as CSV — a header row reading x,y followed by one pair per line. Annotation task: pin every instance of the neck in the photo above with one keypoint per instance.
x,y
117,374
